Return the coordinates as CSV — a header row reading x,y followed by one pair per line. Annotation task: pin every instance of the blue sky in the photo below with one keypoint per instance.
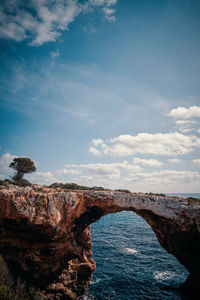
x,y
102,92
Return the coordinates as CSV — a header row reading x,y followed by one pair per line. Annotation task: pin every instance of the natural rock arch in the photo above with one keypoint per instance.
x,y
43,232
175,222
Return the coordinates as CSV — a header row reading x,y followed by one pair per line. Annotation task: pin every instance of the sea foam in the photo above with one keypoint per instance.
x,y
166,275
131,250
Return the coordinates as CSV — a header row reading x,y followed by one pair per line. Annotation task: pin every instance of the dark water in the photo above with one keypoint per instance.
x,y
131,264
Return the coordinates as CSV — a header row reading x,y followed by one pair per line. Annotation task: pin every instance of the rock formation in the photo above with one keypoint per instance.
x,y
45,233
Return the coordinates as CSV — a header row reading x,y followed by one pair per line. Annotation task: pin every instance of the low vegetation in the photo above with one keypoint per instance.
x,y
21,182
192,200
156,194
11,290
74,186
123,190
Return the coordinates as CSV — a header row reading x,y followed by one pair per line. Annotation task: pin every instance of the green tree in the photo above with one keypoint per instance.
x,y
22,165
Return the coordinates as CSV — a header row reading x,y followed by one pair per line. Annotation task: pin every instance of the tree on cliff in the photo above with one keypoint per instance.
x,y
22,165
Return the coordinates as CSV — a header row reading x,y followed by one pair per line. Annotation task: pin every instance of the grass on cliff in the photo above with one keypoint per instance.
x,y
192,200
74,186
22,182
66,186
11,290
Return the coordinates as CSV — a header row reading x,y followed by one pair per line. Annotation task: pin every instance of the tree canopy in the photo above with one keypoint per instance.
x,y
22,165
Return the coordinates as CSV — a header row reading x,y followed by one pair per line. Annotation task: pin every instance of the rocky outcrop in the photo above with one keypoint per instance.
x,y
45,233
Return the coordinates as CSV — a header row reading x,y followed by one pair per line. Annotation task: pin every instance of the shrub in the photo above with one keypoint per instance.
x,y
6,293
23,182
18,291
74,186
193,201
57,185
6,182
5,276
156,194
37,295
123,190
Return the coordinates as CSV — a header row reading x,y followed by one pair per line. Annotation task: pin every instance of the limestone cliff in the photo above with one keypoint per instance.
x,y
45,233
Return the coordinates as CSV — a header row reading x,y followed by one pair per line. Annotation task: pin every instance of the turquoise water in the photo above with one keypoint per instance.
x,y
130,262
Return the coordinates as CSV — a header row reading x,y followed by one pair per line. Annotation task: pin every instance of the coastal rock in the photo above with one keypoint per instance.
x,y
45,233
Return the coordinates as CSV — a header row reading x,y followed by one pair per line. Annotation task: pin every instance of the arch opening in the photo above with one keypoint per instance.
x,y
130,261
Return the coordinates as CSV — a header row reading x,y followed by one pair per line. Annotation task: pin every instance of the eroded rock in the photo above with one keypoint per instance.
x,y
45,233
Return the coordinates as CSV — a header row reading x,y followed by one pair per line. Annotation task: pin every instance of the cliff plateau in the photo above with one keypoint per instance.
x,y
45,233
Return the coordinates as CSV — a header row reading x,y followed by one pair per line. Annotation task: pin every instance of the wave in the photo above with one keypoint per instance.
x,y
166,275
95,281
131,250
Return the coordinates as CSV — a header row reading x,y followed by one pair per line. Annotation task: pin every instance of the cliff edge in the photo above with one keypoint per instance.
x,y
45,233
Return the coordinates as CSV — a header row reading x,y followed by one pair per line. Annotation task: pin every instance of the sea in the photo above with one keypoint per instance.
x,y
130,263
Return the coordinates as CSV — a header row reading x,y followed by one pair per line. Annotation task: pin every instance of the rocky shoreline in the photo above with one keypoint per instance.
x,y
45,233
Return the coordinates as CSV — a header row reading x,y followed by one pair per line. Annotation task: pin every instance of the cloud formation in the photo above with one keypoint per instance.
x,y
196,161
112,170
171,180
186,125
184,117
68,171
42,21
109,13
171,144
42,177
174,160
185,113
147,162
5,161
55,54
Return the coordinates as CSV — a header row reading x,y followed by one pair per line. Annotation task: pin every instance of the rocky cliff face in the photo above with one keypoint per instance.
x,y
45,233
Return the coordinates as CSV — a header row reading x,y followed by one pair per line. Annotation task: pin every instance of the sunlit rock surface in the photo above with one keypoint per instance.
x,y
45,233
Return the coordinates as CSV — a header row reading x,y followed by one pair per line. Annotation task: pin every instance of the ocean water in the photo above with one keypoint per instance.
x,y
130,262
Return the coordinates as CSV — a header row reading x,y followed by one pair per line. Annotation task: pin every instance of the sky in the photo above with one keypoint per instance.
x,y
102,92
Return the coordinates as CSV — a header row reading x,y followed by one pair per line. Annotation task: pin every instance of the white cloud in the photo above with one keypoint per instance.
x,y
42,178
112,170
166,181
103,2
95,151
146,143
185,113
109,13
174,160
42,21
185,122
196,161
184,116
97,142
68,171
55,54
198,130
147,162
5,161
185,125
